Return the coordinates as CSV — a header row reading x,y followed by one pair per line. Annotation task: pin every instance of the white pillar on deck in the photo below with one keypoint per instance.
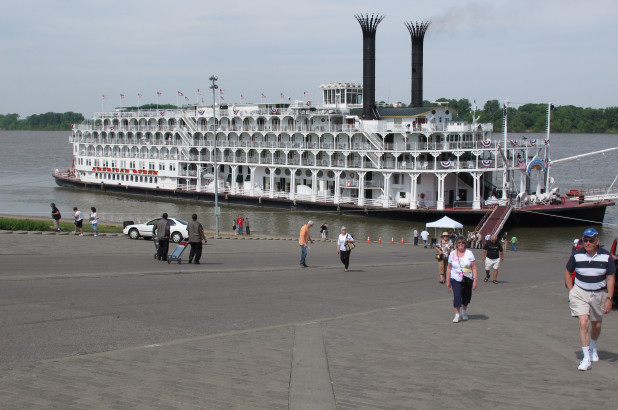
x,y
440,200
233,184
292,183
271,191
476,190
387,188
413,190
361,188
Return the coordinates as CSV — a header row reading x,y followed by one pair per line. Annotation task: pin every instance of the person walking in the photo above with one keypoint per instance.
x,y
415,233
78,221
425,237
592,293
514,242
94,220
239,223
444,248
344,254
303,241
462,274
55,216
324,230
247,226
161,232
493,254
505,238
234,226
196,236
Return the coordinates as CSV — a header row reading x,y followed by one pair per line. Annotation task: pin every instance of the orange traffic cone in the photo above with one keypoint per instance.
x,y
402,240
392,240
380,239
368,240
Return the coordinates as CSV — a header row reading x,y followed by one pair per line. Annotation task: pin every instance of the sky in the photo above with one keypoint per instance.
x,y
63,55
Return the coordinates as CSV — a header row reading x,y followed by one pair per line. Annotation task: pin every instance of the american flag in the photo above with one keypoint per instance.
x,y
222,91
139,95
306,94
282,96
199,91
159,94
242,97
180,94
102,96
263,96
122,96
221,97
187,99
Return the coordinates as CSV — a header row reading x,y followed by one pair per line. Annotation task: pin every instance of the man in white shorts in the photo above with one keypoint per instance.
x,y
493,254
591,295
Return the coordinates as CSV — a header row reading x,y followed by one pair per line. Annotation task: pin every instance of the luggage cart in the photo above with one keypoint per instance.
x,y
175,255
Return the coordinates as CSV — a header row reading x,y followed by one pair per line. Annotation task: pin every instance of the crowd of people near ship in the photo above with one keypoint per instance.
x,y
589,272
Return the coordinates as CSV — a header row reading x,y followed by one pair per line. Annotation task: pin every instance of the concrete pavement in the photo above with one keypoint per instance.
x,y
98,323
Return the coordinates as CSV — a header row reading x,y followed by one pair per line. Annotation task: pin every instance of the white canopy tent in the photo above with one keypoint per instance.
x,y
446,223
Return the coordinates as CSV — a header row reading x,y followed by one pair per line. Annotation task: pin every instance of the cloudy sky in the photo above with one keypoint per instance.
x,y
62,55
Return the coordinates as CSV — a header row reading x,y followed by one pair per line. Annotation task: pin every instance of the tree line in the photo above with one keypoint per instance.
x,y
533,117
524,118
51,121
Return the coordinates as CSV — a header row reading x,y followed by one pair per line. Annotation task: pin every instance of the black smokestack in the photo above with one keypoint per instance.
x,y
417,33
369,25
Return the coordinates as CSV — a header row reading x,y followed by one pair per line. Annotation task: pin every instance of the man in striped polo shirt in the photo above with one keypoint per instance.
x,y
592,293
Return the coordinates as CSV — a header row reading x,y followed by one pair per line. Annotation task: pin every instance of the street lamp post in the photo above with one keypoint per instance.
x,y
213,87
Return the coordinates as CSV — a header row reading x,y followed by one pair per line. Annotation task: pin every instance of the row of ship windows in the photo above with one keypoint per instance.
x,y
125,177
126,164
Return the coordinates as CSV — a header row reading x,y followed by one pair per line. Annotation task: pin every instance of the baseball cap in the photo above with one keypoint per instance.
x,y
590,232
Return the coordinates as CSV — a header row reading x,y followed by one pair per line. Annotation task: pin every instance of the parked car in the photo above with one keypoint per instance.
x,y
178,229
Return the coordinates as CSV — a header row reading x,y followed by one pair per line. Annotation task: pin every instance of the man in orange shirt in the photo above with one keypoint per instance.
x,y
303,241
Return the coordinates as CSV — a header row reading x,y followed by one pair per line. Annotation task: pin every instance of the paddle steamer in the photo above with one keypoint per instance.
x,y
342,154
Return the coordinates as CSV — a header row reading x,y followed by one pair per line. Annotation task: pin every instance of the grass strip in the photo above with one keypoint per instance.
x,y
19,224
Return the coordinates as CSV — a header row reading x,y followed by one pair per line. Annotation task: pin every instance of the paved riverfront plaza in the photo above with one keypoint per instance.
x,y
98,323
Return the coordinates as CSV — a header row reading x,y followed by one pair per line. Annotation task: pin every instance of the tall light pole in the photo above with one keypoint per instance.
x,y
213,87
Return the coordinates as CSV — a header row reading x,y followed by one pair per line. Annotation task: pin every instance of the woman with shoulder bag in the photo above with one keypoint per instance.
x,y
462,273
345,243
443,248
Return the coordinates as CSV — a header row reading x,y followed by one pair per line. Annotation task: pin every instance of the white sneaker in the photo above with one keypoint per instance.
x,y
456,319
81,234
594,355
464,315
584,365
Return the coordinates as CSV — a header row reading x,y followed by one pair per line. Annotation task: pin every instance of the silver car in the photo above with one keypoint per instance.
x,y
178,229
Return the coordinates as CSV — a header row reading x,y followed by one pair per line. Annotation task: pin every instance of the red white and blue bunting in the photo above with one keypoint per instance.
x,y
201,112
513,142
533,142
485,143
446,164
486,162
274,110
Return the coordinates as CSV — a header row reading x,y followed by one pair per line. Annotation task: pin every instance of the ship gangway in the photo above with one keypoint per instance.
x,y
494,222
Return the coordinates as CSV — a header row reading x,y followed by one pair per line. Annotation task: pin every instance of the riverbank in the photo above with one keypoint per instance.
x,y
100,323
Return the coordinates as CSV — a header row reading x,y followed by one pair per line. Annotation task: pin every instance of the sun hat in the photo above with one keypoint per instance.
x,y
590,232
445,234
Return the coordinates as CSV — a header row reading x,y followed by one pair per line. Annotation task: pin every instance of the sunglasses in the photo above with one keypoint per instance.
x,y
589,240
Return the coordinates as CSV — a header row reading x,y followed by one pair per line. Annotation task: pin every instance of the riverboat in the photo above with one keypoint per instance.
x,y
342,154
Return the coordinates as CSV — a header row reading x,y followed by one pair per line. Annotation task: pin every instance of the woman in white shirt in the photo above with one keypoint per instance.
x,y
344,255
461,270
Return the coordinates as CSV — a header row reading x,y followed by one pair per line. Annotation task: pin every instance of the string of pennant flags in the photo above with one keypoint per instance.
x,y
200,93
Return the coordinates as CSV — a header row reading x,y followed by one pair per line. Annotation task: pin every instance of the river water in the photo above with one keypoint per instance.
x,y
28,159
